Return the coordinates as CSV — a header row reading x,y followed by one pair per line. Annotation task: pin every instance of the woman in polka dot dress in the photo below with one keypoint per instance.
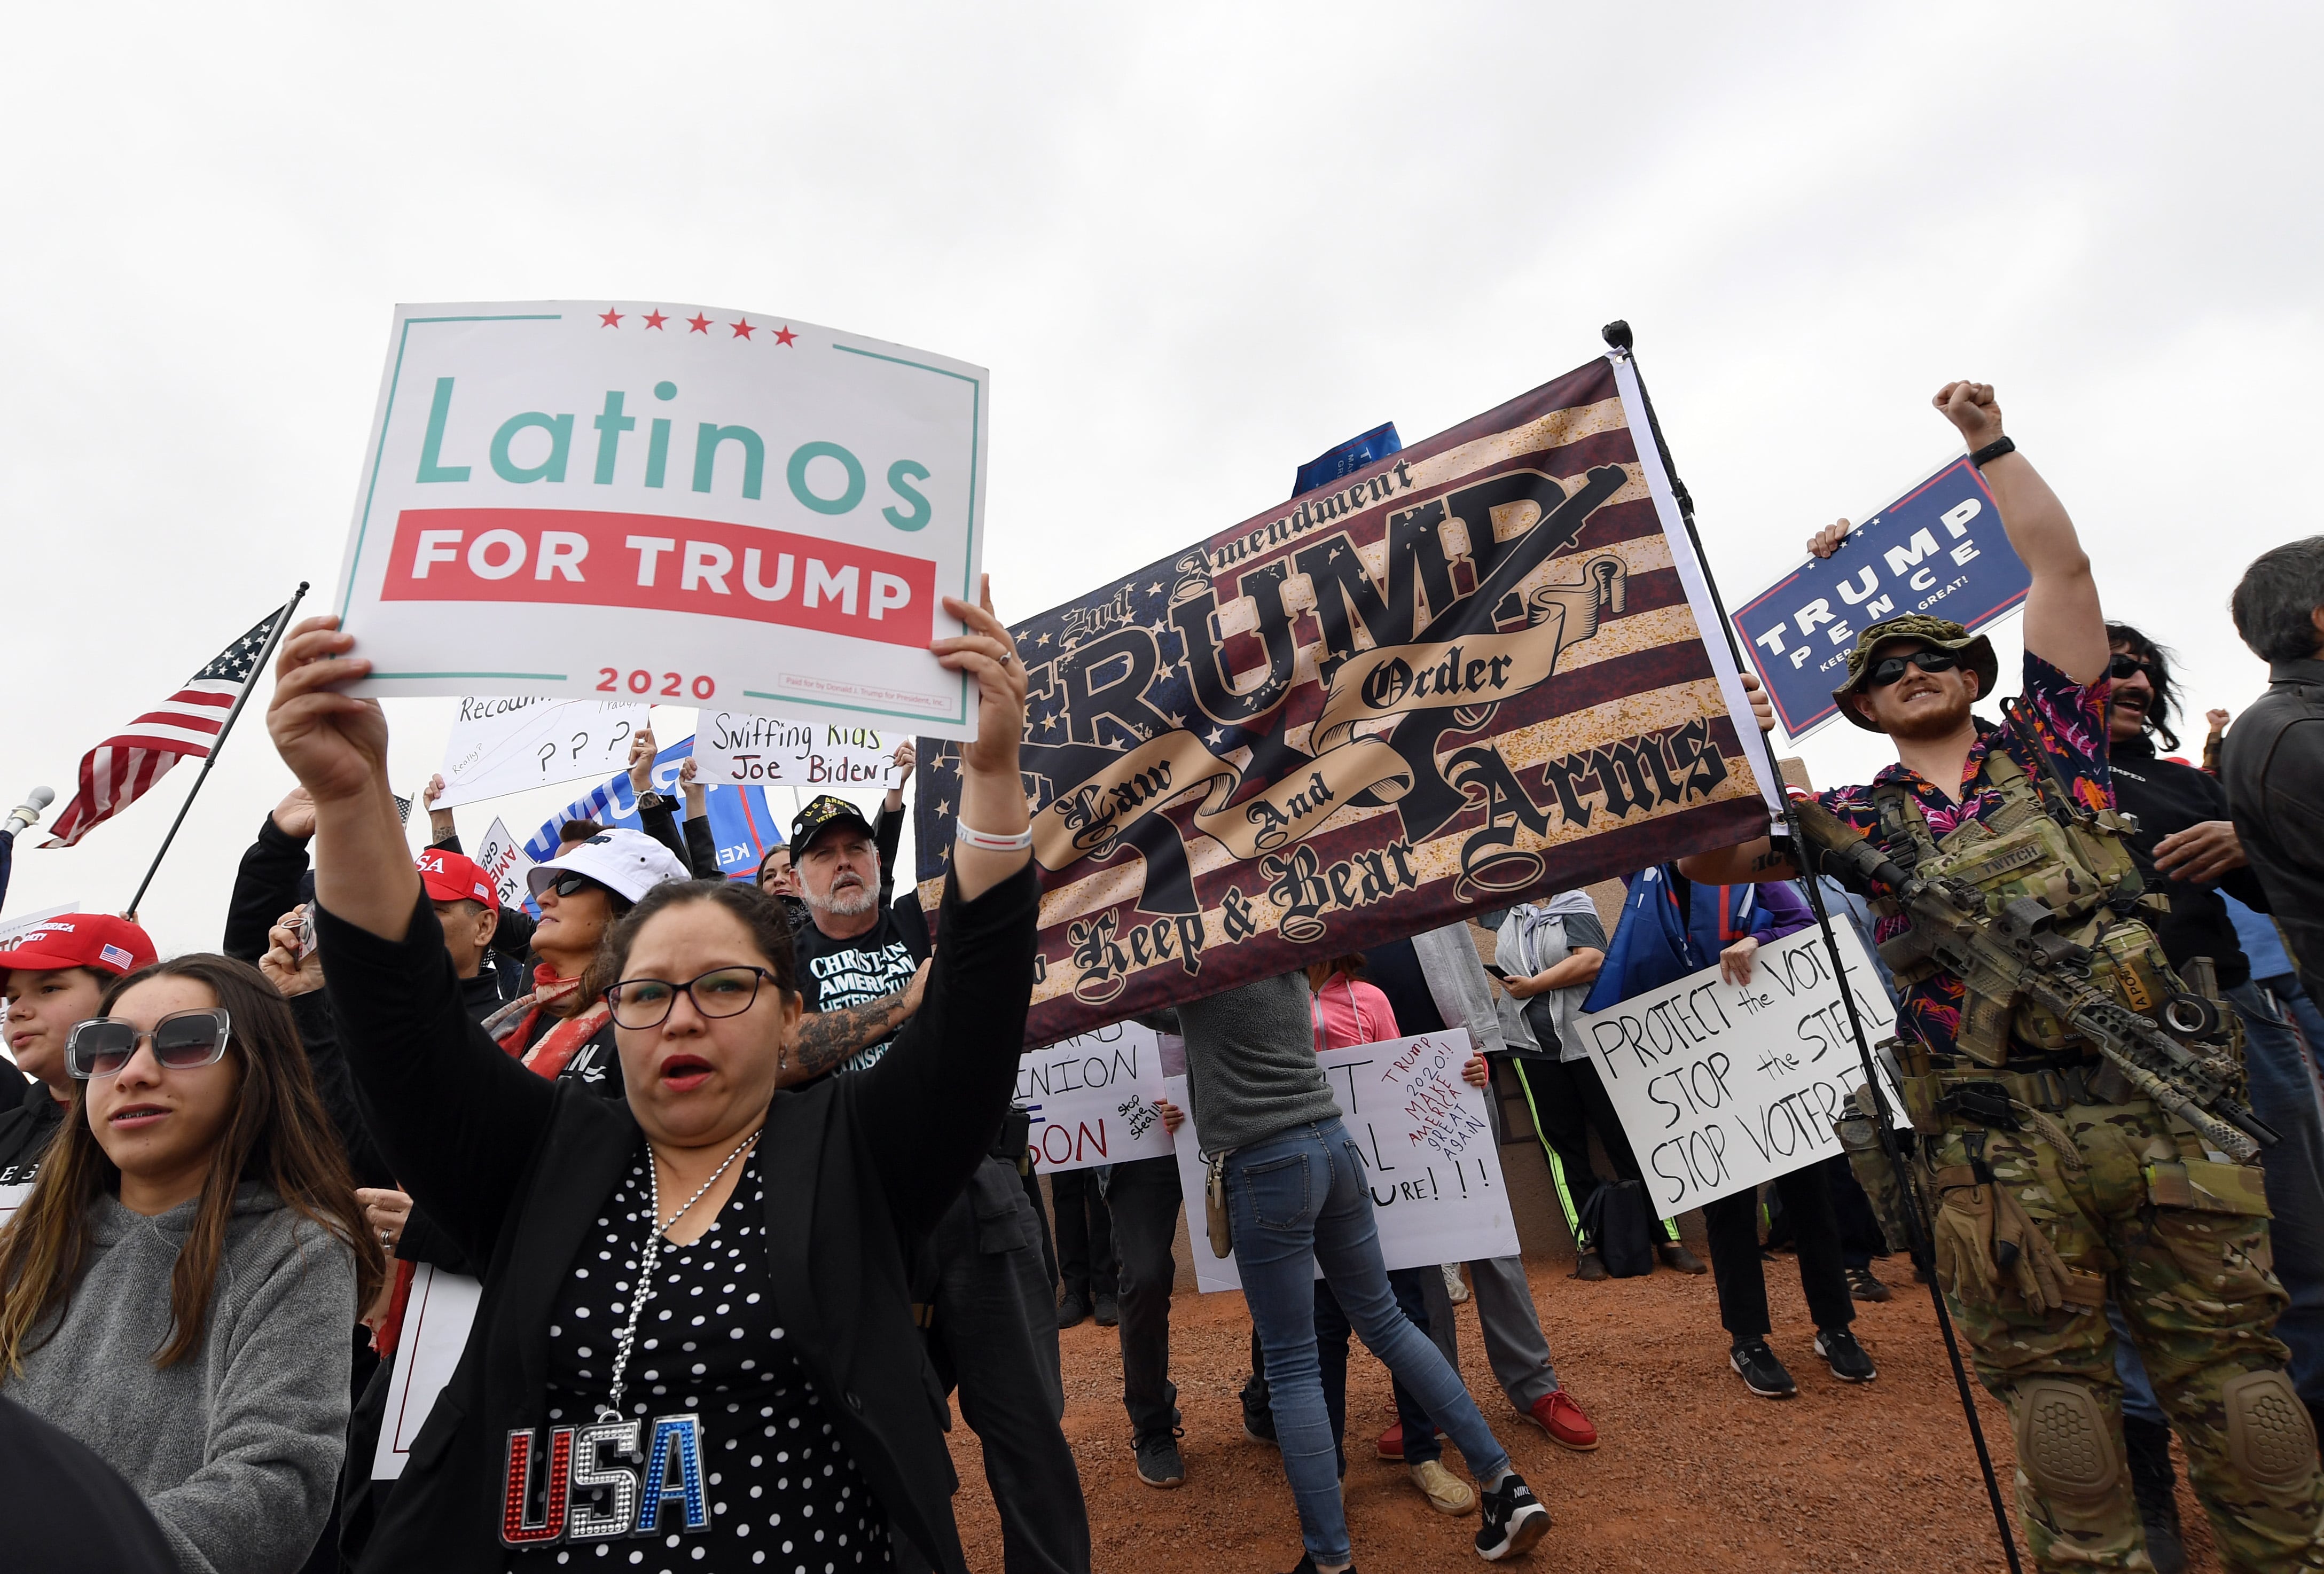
x,y
694,1349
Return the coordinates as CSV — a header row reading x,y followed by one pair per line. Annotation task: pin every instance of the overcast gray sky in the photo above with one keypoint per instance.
x,y
1195,245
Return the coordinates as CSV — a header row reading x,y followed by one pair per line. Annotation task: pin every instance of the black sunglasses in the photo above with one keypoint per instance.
x,y
722,991
182,1041
1890,668
573,885
2123,665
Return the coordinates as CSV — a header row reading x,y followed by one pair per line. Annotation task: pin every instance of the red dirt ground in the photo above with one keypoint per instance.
x,y
1693,1473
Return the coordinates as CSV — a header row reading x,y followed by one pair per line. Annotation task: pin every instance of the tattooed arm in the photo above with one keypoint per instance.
x,y
826,1038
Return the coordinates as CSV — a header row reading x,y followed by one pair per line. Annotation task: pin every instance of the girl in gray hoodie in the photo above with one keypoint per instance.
x,y
179,1291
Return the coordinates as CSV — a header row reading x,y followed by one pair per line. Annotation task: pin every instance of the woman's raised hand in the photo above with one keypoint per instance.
x,y
991,792
336,745
987,653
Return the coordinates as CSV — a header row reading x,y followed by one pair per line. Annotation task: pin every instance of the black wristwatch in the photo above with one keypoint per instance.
x,y
1992,451
651,799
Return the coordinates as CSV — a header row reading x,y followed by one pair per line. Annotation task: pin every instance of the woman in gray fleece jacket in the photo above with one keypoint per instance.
x,y
179,1291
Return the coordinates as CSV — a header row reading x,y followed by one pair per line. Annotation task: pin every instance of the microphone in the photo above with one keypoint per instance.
x,y
27,814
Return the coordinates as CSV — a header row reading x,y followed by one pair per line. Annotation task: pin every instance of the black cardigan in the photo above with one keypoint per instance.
x,y
515,1168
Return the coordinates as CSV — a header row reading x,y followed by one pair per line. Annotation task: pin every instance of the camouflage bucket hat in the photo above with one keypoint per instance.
x,y
1939,633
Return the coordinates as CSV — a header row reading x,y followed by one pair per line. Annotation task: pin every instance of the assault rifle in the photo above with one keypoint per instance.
x,y
2017,955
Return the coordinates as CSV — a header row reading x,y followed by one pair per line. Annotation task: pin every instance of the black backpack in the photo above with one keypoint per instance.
x,y
1619,1227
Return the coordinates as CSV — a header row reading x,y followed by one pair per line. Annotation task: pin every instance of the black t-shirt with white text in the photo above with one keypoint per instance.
x,y
834,974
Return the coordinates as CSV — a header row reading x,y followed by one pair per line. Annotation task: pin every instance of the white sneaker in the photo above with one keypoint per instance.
x,y
1454,1284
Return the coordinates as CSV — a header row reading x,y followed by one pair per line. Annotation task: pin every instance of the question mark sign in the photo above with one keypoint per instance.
x,y
580,741
547,753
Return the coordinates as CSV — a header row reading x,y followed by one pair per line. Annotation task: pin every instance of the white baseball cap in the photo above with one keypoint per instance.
x,y
629,863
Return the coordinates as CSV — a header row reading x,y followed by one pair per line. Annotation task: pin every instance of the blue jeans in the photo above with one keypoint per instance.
x,y
1296,1200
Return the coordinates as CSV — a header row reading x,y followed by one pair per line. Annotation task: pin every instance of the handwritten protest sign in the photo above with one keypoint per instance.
x,y
501,745
1721,1087
504,860
436,1318
659,502
1426,1140
1472,671
1940,549
1092,1097
735,749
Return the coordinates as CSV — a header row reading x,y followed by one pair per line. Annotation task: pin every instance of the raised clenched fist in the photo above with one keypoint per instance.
x,y
1971,407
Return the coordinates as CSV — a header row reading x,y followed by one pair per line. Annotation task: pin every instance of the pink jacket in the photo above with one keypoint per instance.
x,y
1349,1012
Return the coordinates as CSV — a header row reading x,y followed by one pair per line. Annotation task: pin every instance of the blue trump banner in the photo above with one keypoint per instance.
x,y
1938,550
743,826
1467,672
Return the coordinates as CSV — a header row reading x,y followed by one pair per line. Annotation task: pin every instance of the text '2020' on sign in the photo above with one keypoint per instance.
x,y
679,503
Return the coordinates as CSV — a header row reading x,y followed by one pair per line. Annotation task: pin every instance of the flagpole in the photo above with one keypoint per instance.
x,y
273,636
1618,339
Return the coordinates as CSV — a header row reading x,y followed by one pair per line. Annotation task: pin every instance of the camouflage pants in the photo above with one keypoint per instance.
x,y
2197,1286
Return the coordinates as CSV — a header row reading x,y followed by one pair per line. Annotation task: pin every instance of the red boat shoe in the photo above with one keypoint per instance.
x,y
1391,1442
1555,1413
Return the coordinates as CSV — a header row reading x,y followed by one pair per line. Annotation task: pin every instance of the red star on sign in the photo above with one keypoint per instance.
x,y
654,319
743,329
610,317
783,336
700,325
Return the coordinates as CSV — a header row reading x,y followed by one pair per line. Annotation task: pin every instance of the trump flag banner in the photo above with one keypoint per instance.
x,y
1938,550
1468,672
646,502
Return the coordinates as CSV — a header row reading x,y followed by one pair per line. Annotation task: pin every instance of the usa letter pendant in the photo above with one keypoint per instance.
x,y
592,1487
518,1527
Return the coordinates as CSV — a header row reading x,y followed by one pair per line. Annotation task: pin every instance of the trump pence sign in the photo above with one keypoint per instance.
x,y
680,504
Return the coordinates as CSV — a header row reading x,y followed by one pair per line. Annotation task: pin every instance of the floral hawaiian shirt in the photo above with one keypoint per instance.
x,y
2068,719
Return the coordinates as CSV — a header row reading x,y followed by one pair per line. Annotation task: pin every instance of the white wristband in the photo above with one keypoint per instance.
x,y
991,843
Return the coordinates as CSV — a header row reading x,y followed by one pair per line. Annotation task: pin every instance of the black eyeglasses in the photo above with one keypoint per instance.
x,y
1889,668
183,1041
573,885
722,991
2123,665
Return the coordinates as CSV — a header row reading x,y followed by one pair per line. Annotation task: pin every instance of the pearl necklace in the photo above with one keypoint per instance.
x,y
611,1409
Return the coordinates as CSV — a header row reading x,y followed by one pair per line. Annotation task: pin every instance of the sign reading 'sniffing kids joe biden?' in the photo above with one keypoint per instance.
x,y
680,504
1938,550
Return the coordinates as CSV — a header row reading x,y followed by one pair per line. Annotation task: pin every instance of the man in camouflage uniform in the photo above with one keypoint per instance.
x,y
2071,1184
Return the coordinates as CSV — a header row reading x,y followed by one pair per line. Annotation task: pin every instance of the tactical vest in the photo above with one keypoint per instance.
x,y
2076,862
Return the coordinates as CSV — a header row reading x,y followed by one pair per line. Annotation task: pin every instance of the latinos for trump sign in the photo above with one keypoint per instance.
x,y
1721,1086
1467,673
1938,550
667,504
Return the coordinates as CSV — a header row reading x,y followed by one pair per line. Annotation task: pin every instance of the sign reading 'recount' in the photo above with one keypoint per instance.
x,y
668,503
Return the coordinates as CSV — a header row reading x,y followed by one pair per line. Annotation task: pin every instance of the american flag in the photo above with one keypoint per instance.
x,y
118,771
